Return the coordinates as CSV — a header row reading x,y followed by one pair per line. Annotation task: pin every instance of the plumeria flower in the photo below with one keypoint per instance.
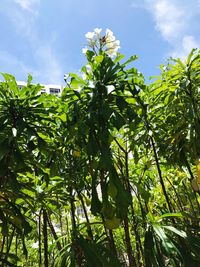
x,y
90,35
97,31
107,43
109,36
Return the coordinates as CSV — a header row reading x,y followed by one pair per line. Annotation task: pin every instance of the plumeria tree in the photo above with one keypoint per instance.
x,y
108,173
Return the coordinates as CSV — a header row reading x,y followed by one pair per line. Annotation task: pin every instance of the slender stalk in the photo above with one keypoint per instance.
x,y
148,128
131,259
16,247
160,175
53,232
45,237
112,242
74,254
39,239
137,236
73,218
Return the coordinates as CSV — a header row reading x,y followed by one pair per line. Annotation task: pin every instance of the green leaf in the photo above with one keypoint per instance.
x,y
176,231
169,215
99,58
131,59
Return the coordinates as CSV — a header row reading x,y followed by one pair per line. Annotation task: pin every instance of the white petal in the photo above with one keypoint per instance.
x,y
97,31
90,35
84,50
109,32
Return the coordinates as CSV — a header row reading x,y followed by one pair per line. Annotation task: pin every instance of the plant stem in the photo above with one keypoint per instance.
x,y
131,259
59,247
45,237
160,175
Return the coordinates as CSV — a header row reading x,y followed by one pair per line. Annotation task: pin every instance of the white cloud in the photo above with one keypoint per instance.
x,y
168,18
29,5
174,19
187,44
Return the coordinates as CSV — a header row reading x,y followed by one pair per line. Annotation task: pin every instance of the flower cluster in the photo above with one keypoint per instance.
x,y
108,42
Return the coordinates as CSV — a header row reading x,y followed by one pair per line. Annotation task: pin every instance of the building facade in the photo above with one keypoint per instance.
x,y
53,89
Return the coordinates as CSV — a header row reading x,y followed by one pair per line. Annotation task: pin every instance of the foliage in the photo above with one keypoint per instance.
x,y
108,174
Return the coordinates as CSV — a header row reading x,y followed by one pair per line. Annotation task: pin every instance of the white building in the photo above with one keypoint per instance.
x,y
53,89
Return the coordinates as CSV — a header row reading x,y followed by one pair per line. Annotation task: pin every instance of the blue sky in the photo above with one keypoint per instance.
x,y
45,37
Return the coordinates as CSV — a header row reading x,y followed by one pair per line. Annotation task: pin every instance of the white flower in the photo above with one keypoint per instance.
x,y
117,43
109,32
112,48
84,50
108,43
109,36
111,52
90,35
97,31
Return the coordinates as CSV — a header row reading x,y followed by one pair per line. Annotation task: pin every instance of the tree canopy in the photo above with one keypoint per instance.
x,y
106,175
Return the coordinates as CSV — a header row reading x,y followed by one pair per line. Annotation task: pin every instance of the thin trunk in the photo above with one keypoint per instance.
x,y
137,236
160,175
131,259
16,246
39,239
112,243
73,218
144,107
74,254
45,237
53,232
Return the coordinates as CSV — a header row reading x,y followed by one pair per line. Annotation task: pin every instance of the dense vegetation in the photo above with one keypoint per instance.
x,y
106,175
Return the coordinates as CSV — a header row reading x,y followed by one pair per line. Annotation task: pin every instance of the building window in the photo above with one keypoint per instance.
x,y
54,91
